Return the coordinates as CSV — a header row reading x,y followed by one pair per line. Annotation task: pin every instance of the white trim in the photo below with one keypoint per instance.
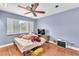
x,y
51,42
2,46
71,47
75,48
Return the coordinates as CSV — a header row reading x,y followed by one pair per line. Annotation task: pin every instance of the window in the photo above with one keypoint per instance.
x,y
15,26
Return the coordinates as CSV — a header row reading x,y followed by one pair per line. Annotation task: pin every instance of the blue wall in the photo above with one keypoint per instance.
x,y
4,38
63,25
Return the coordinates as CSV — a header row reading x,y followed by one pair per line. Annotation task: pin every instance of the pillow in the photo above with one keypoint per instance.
x,y
35,38
26,36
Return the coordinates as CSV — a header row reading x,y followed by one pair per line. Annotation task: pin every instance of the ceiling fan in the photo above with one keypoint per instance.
x,y
32,9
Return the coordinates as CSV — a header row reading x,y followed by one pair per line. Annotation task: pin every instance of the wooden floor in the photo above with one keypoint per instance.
x,y
50,50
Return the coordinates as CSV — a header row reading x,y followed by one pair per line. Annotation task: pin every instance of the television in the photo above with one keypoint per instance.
x,y
41,31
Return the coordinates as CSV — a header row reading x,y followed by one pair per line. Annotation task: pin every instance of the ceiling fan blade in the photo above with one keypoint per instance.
x,y
27,8
21,7
43,12
34,6
34,14
27,13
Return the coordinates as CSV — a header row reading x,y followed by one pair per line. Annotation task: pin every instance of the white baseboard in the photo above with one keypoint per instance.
x,y
6,45
52,42
71,47
75,48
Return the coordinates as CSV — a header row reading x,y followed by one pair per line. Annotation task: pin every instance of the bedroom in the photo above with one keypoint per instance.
x,y
60,22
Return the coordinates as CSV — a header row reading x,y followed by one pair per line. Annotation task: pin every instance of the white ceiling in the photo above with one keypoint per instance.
x,y
49,8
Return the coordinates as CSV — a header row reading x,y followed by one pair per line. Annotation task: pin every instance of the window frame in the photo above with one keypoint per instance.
x,y
29,22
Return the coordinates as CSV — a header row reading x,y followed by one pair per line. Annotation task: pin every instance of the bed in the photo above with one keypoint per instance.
x,y
26,45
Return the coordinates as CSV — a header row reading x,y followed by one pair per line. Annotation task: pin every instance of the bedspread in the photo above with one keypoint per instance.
x,y
26,45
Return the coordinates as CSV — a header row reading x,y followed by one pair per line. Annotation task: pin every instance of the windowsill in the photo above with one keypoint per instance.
x,y
16,34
